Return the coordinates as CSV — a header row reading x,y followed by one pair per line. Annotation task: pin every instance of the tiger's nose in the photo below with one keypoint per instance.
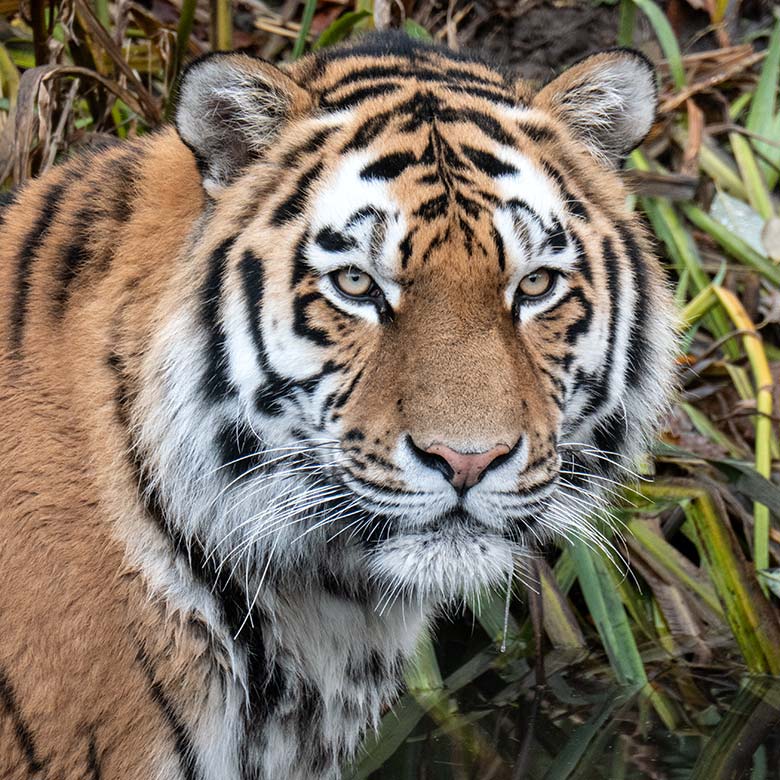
x,y
464,469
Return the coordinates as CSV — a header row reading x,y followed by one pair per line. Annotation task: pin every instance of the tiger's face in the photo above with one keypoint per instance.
x,y
439,334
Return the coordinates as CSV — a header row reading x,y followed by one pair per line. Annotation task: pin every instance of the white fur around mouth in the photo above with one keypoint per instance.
x,y
443,564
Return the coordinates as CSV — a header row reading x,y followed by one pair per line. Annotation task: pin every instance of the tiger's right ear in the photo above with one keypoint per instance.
x,y
230,108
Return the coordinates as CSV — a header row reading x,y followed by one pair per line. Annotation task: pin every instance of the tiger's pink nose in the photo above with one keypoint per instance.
x,y
466,468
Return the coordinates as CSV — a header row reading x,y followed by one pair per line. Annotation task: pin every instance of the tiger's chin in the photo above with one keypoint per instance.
x,y
443,565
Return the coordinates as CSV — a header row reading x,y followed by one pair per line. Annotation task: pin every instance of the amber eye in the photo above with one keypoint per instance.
x,y
536,284
353,282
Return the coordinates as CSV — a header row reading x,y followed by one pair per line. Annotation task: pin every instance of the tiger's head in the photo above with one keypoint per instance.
x,y
427,333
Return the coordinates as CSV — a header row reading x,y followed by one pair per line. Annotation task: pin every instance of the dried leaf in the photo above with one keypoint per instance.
x,y
27,116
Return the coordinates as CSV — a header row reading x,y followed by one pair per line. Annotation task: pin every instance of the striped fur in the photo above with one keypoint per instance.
x,y
221,533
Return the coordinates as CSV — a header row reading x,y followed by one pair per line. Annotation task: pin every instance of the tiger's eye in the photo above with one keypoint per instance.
x,y
536,284
353,282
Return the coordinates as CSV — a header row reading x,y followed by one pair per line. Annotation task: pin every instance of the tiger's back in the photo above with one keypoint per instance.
x,y
278,383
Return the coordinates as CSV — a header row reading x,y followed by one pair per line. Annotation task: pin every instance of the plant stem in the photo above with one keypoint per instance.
x,y
308,17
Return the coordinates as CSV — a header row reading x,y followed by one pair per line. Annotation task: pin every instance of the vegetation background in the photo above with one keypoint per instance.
x,y
593,670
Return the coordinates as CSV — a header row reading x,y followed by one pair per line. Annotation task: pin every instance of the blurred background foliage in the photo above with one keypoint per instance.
x,y
591,668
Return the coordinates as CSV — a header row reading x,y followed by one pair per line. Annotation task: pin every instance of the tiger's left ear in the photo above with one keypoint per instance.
x,y
607,100
230,108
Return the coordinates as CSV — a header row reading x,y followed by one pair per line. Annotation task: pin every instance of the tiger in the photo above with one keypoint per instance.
x,y
340,347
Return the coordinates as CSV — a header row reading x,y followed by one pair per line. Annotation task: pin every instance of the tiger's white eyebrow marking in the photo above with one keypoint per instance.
x,y
357,222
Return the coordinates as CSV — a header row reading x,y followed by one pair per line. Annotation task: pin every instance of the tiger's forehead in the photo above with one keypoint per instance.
x,y
344,77
418,154
420,188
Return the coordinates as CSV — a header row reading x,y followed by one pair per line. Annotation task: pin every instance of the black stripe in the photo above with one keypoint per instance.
x,y
556,237
300,266
599,391
573,205
334,241
435,243
388,167
638,347
268,397
24,736
358,96
538,134
468,234
122,173
450,76
76,255
500,249
301,325
486,123
93,760
292,208
313,144
342,399
240,450
610,434
368,131
216,383
26,257
433,208
366,212
470,206
112,201
7,199
612,270
253,283
184,748
581,325
406,249
583,261
489,164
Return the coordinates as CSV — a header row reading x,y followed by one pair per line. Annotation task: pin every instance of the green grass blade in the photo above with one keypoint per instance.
x,y
753,623
183,32
568,761
381,744
9,76
752,717
761,118
103,13
707,428
415,30
608,614
340,29
733,244
560,625
670,565
666,38
757,192
221,25
626,23
764,384
303,34
717,165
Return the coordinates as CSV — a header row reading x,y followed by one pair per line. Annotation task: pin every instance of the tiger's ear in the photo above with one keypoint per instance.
x,y
608,101
230,108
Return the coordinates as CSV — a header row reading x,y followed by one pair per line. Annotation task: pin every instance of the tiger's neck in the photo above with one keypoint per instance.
x,y
273,684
